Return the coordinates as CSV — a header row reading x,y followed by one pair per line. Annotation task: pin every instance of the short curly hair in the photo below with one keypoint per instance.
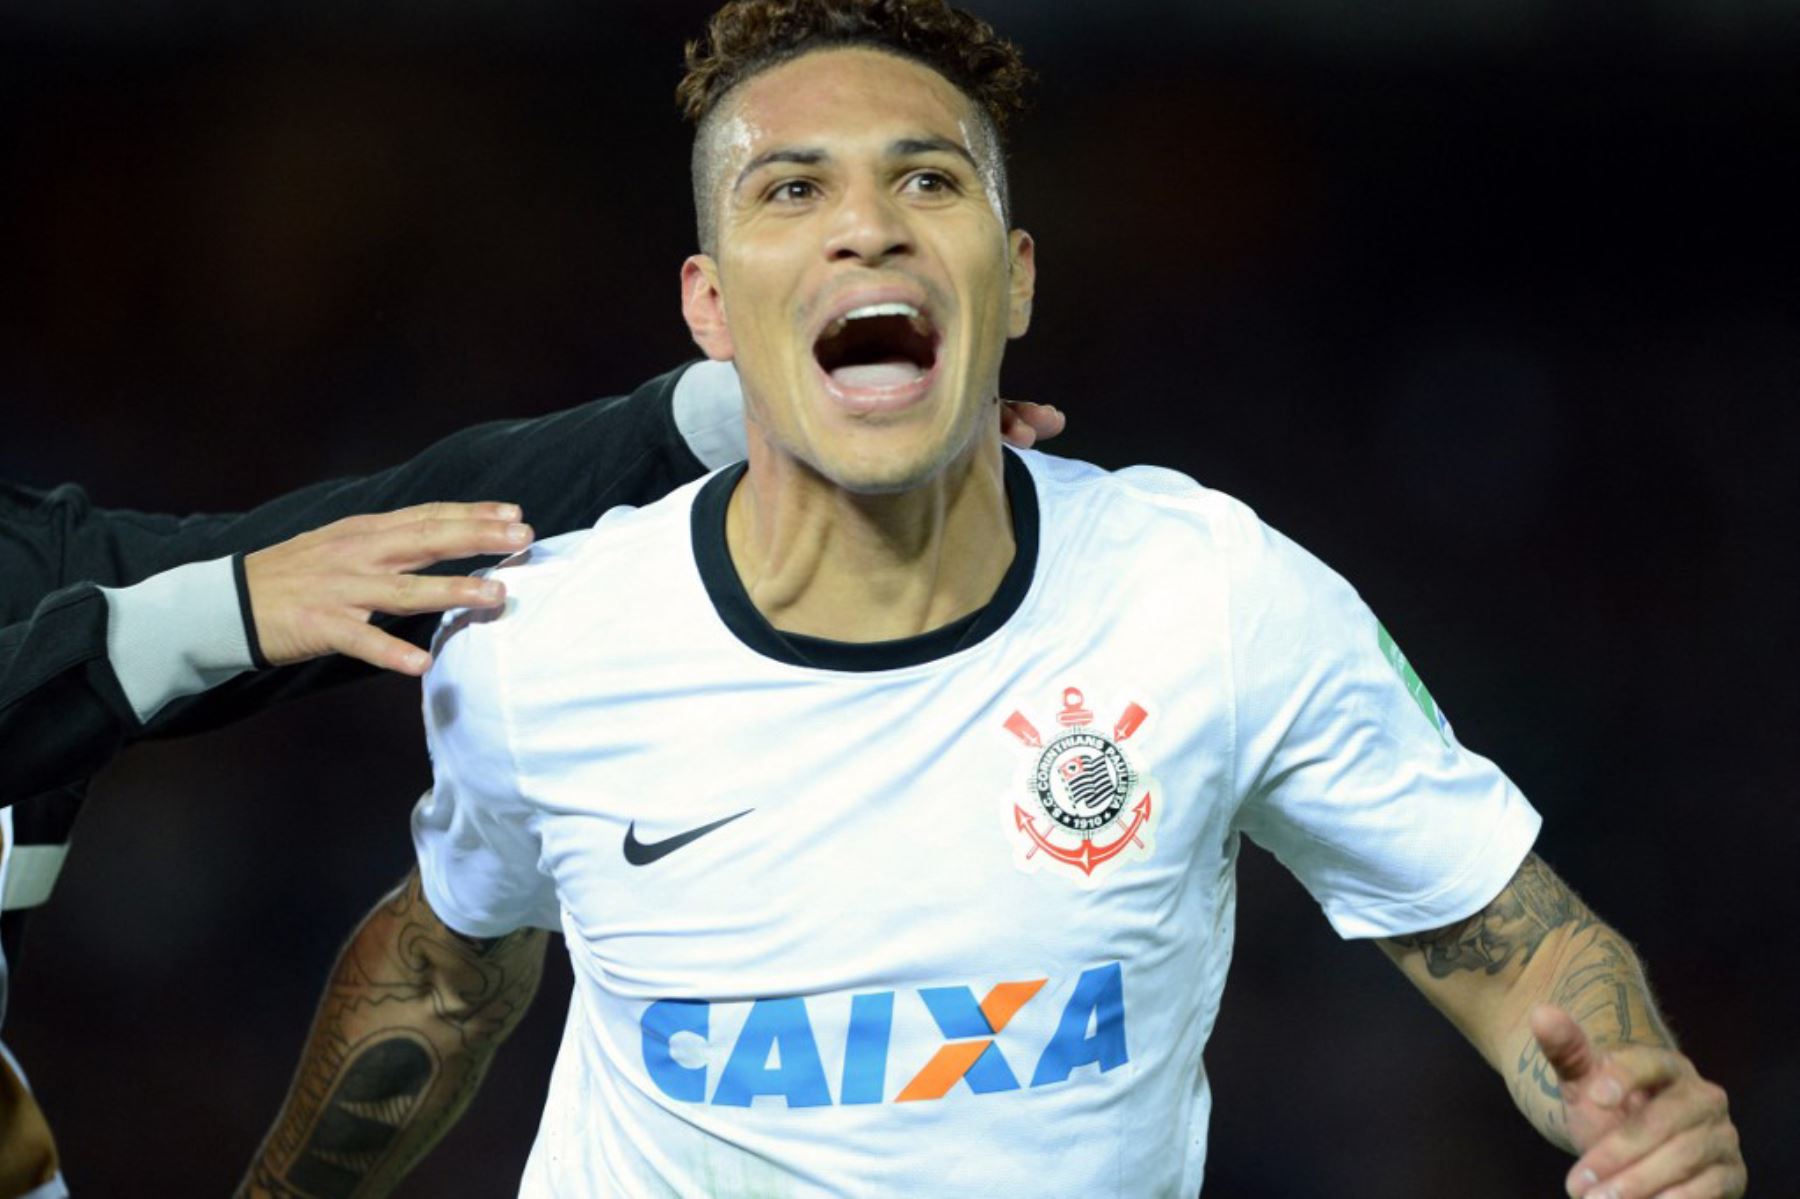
x,y
747,37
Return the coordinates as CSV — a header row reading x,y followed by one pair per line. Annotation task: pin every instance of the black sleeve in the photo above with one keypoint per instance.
x,y
61,711
62,715
564,470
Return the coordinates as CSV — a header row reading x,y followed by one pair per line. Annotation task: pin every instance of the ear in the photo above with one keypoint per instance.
x,y
703,307
1023,255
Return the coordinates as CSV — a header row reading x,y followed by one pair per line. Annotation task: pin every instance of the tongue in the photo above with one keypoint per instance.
x,y
895,372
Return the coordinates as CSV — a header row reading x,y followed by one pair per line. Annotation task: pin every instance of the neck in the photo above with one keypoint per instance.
x,y
825,562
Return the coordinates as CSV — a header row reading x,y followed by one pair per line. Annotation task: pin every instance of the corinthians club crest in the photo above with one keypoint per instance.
x,y
1088,809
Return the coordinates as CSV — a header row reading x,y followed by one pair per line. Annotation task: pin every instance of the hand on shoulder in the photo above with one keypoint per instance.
x,y
315,594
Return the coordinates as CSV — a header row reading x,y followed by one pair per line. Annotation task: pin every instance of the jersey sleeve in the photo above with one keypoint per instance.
x,y
1346,769
475,834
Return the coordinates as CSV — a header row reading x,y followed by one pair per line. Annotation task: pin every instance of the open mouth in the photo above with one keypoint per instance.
x,y
878,346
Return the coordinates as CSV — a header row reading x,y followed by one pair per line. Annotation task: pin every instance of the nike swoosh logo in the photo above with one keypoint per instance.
x,y
642,853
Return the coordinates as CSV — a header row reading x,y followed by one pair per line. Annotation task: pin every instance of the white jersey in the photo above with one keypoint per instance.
x,y
947,916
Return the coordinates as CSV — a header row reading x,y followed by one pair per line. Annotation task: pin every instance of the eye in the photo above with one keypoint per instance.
x,y
793,191
931,183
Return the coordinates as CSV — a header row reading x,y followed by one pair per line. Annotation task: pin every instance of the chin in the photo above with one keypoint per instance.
x,y
887,462
884,477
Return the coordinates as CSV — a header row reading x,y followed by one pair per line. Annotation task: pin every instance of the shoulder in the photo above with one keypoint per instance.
x,y
466,700
569,585
1155,497
1165,521
530,576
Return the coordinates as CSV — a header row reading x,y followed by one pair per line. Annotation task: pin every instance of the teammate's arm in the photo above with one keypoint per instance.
x,y
67,707
407,1027
1557,1002
92,666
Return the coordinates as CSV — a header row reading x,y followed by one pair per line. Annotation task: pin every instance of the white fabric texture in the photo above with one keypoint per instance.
x,y
768,1008
709,412
30,875
176,633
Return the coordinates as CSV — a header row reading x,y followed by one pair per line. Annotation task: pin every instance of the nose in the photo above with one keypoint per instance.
x,y
869,226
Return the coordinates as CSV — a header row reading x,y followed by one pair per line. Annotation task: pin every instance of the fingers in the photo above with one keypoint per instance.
x,y
349,632
423,542
1677,1130
1046,420
1013,430
355,639
1696,1161
414,595
1569,1051
314,593
1718,1182
1023,423
1678,1111
442,510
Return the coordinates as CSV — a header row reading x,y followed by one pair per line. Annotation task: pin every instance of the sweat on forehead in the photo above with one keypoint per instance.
x,y
725,142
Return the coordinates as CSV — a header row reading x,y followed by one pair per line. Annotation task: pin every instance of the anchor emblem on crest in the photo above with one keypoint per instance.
x,y
1095,805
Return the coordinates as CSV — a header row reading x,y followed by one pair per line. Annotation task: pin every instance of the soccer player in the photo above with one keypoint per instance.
x,y
890,810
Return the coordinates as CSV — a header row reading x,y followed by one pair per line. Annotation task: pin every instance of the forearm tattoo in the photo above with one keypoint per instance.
x,y
1598,979
1535,904
408,1023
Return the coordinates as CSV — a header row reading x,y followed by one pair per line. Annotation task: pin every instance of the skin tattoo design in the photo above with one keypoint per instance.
x,y
1600,982
404,1034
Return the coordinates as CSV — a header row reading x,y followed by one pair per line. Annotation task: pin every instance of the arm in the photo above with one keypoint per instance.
x,y
91,666
75,579
564,470
1355,779
405,1032
418,1002
62,714
57,668
1557,1002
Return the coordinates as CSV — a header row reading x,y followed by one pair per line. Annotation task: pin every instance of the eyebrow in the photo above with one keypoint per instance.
x,y
906,147
787,154
909,147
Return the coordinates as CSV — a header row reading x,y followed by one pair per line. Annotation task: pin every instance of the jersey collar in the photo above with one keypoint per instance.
x,y
733,605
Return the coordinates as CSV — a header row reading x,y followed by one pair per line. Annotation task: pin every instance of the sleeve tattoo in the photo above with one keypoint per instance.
x,y
1534,904
1588,970
408,1024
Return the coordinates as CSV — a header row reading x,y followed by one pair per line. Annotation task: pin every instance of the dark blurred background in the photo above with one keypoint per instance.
x,y
1492,306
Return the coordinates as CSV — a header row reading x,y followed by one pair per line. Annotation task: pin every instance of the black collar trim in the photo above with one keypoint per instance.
x,y
733,604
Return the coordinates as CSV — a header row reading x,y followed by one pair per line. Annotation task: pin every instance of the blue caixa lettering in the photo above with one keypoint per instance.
x,y
1090,1031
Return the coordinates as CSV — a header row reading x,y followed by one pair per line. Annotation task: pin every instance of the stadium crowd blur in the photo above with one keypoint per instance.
x,y
1492,306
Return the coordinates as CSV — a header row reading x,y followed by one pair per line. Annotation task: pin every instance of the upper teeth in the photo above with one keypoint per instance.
x,y
891,308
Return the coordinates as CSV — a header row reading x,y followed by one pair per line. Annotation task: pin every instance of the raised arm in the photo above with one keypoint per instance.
x,y
1557,1002
408,1025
